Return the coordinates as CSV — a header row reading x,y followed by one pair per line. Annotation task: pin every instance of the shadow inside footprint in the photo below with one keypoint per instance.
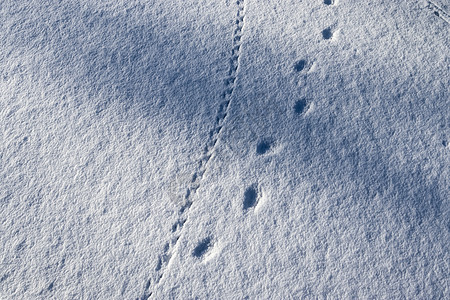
x,y
202,247
300,106
327,34
300,65
250,197
263,147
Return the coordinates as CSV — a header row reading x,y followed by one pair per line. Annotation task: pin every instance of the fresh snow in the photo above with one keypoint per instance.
x,y
198,149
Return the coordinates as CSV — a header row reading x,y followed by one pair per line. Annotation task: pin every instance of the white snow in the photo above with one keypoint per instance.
x,y
190,149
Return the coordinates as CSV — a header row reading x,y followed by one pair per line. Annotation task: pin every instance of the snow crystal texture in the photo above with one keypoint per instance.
x,y
227,149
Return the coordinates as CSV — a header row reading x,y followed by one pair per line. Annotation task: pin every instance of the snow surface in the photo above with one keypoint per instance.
x,y
258,149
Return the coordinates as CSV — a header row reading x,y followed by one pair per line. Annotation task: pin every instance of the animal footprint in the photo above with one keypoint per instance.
x,y
202,247
327,33
264,146
329,2
250,197
302,66
301,106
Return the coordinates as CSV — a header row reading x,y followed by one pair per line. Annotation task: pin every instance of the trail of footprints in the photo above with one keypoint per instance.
x,y
252,194
438,11
229,86
303,66
251,199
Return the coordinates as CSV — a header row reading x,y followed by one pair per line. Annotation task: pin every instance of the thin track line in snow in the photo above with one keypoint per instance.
x,y
210,146
438,11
